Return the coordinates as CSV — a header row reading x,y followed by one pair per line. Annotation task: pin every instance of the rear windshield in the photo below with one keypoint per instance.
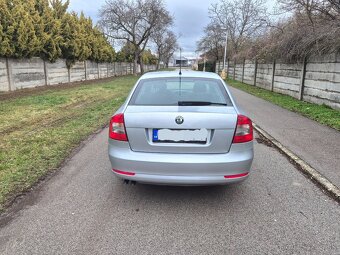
x,y
180,91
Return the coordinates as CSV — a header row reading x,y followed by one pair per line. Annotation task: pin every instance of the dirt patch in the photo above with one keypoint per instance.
x,y
262,140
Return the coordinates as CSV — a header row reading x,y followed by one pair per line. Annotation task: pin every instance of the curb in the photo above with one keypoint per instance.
x,y
305,168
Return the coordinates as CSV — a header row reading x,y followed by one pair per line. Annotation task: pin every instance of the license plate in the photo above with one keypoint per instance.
x,y
180,135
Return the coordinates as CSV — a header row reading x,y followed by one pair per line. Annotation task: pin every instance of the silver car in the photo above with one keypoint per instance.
x,y
180,129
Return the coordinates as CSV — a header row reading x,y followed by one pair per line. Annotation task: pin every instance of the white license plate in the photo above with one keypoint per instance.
x,y
176,135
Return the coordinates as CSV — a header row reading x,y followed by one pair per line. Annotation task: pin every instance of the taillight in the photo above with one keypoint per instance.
x,y
244,130
117,128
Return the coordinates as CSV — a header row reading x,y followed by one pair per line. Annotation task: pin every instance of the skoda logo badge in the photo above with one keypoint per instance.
x,y
179,120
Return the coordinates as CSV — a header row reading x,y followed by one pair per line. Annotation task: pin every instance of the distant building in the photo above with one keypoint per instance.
x,y
181,61
186,62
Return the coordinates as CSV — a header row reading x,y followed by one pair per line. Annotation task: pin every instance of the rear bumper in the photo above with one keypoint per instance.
x,y
181,169
181,180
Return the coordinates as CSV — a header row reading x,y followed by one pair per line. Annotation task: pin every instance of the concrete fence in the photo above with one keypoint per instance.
x,y
315,80
27,73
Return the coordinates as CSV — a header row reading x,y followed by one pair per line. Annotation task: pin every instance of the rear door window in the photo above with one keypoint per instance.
x,y
180,91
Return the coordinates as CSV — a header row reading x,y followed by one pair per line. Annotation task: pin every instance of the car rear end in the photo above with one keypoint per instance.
x,y
180,130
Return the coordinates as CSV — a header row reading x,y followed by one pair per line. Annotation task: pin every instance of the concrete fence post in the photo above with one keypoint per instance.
x,y
243,64
9,75
228,68
255,72
234,71
69,73
45,73
98,70
302,80
85,68
273,76
107,70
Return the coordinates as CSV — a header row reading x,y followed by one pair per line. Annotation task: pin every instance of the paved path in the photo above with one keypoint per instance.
x,y
318,145
84,209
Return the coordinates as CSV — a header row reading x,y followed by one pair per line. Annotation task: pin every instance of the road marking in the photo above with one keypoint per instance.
x,y
304,167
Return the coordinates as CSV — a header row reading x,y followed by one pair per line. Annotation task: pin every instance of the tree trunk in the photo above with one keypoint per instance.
x,y
158,64
141,64
135,63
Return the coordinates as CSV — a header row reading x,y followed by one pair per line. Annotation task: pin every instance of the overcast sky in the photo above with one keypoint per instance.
x,y
191,16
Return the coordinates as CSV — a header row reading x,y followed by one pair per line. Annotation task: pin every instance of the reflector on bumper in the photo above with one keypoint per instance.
x,y
123,172
235,176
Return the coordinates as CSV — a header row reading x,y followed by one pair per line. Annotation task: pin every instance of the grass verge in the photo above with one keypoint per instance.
x,y
320,113
38,131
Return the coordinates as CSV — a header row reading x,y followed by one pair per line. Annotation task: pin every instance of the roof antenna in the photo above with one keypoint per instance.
x,y
180,61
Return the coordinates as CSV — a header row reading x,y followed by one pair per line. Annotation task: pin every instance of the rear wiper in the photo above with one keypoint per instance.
x,y
198,103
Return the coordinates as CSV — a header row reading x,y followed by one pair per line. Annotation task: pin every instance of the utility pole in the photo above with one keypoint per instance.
x,y
225,50
223,74
180,61
204,63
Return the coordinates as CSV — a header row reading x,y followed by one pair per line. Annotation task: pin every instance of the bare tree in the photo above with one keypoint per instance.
x,y
313,29
212,41
241,19
158,37
165,42
134,22
328,9
170,47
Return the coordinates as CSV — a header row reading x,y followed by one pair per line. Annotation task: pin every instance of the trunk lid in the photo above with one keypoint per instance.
x,y
205,129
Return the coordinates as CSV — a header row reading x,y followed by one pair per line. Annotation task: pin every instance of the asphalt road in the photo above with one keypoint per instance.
x,y
84,209
316,144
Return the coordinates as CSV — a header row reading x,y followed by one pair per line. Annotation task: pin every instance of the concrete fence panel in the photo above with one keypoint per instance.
x,y
219,67
130,68
230,69
249,72
238,71
34,72
124,68
57,72
27,73
264,75
316,79
111,69
287,79
322,83
4,84
77,72
118,69
102,70
91,70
